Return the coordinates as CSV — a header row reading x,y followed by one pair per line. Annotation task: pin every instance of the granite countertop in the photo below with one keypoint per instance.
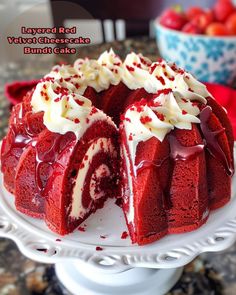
x,y
209,274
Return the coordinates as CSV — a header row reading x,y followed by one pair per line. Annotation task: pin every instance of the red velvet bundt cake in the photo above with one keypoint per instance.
x,y
170,162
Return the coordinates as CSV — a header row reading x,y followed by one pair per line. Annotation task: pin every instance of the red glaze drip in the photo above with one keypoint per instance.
x,y
180,152
47,158
183,153
21,141
21,136
177,152
212,144
148,164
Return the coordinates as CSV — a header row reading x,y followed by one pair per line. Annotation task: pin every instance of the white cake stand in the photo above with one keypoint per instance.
x,y
120,267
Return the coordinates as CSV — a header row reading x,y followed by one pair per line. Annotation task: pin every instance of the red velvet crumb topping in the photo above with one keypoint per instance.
x,y
93,111
161,79
153,103
123,118
79,102
46,79
81,165
77,121
138,65
145,62
152,68
164,91
160,116
145,119
131,69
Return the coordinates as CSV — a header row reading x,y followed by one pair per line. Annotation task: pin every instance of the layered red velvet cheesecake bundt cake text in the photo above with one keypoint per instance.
x,y
147,133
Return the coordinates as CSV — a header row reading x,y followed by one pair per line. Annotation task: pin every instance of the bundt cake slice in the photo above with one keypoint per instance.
x,y
143,195
82,178
70,169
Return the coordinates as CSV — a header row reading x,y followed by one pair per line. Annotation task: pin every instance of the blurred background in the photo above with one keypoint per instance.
x,y
108,26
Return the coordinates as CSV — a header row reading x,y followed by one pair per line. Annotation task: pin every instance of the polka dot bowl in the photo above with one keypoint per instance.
x,y
209,59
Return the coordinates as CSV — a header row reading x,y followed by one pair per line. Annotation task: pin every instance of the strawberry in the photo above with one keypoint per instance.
x,y
223,9
191,28
231,24
193,12
204,19
217,29
173,19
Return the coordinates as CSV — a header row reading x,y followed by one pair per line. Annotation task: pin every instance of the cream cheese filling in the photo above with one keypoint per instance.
x,y
100,145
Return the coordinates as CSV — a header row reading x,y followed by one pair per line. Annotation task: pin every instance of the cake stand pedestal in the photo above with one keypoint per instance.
x,y
81,278
96,260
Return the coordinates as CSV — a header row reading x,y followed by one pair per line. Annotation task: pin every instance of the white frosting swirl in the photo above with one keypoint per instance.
x,y
65,111
166,111
101,73
136,73
58,92
170,76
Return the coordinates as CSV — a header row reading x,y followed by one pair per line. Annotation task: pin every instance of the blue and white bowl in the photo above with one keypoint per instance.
x,y
209,59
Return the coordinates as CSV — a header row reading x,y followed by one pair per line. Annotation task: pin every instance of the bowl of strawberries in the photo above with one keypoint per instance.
x,y
202,41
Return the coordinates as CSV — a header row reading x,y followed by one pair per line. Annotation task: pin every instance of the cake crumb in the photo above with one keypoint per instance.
x,y
103,236
99,248
81,228
124,235
58,240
